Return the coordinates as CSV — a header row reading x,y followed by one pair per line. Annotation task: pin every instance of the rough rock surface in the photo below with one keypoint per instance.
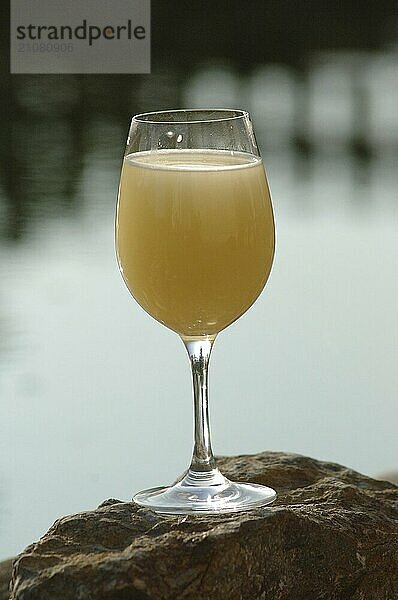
x,y
5,576
331,534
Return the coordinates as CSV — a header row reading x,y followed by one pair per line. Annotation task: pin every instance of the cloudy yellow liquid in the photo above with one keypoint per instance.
x,y
194,236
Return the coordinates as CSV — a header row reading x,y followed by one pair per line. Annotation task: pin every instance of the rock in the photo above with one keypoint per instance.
x,y
391,476
332,534
5,577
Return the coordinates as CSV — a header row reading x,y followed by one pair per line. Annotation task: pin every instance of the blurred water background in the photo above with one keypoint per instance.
x,y
95,395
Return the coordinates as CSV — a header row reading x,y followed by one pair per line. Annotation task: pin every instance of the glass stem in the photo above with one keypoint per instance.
x,y
203,470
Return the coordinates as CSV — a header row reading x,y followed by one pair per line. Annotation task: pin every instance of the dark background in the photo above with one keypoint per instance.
x,y
185,36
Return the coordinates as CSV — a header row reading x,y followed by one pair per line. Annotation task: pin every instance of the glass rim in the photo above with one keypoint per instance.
x,y
235,113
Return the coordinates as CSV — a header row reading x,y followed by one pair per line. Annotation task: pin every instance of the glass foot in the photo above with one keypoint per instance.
x,y
222,497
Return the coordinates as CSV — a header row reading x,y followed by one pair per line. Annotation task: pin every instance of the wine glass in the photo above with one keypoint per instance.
x,y
195,243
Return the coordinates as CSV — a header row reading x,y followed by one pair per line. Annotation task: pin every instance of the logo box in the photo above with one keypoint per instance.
x,y
71,36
